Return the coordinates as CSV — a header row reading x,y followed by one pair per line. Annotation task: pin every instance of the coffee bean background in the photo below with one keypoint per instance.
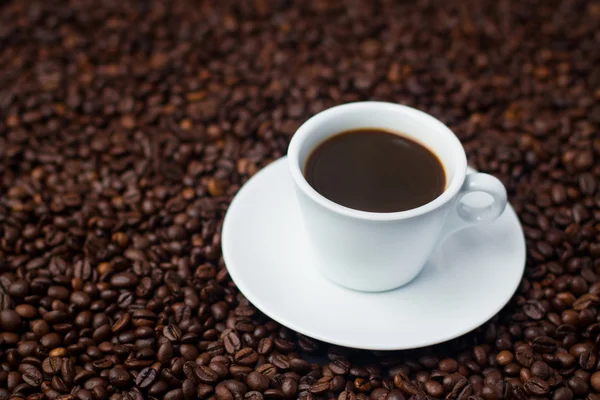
x,y
127,126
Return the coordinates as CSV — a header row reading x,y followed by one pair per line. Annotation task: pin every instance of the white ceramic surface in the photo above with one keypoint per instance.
x,y
469,278
381,251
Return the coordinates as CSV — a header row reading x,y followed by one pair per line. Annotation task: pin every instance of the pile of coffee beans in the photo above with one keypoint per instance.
x,y
127,126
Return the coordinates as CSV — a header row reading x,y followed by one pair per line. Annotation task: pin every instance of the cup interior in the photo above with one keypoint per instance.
x,y
395,118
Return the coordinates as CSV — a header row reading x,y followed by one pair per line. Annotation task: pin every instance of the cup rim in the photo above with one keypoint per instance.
x,y
305,130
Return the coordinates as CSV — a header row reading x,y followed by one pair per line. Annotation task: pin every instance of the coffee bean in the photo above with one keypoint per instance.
x,y
253,396
119,377
540,369
172,333
124,280
257,381
504,358
565,359
534,309
299,365
146,377
588,360
578,386
536,386
580,348
524,356
280,361
220,368
51,365
461,390
32,377
67,370
563,393
394,394
237,388
595,381
246,356
434,388
200,373
340,366
409,388
448,365
289,387
240,371
175,394
26,311
233,344
9,320
273,394
543,344
338,383
319,388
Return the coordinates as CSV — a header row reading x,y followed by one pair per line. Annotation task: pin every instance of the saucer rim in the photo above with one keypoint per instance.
x,y
225,245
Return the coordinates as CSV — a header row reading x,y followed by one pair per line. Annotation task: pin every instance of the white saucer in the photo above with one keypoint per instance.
x,y
468,280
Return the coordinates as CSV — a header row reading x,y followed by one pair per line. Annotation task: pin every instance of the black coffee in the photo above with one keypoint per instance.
x,y
375,170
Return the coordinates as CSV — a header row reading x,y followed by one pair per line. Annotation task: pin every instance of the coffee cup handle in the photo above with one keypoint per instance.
x,y
464,215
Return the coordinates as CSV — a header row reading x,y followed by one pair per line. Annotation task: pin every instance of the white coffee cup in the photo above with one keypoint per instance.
x,y
372,251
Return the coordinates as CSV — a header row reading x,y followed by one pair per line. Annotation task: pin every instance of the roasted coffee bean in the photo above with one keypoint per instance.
x,y
338,383
433,388
220,368
172,333
340,366
273,394
504,358
67,370
319,388
119,377
524,355
563,393
239,371
409,388
265,345
462,390
588,359
246,356
448,365
146,377
175,394
233,344
451,380
257,381
280,361
595,381
536,386
565,359
10,321
394,394
534,309
540,369
362,385
237,388
543,344
200,373
289,387
285,346
32,377
578,386
299,365
52,365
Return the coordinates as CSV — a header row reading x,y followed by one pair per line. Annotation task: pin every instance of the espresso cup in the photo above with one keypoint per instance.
x,y
372,251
